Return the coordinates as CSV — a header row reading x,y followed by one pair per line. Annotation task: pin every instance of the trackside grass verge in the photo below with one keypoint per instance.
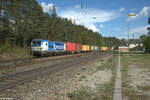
x,y
135,64
102,91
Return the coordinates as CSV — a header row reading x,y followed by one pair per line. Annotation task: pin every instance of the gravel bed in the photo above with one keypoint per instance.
x,y
31,66
139,77
58,85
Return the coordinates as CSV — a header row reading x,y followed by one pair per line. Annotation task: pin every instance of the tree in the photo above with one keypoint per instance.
x,y
147,40
23,20
147,44
112,41
143,37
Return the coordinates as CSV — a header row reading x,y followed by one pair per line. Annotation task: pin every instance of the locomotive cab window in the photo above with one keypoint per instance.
x,y
36,43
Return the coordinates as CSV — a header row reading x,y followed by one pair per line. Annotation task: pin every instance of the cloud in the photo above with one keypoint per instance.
x,y
77,6
93,27
122,9
101,25
89,16
140,30
144,12
48,7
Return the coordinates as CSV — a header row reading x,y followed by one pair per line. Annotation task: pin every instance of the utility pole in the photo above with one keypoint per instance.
x,y
130,15
128,30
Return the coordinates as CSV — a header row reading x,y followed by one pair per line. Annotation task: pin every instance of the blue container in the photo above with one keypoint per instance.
x,y
100,48
59,46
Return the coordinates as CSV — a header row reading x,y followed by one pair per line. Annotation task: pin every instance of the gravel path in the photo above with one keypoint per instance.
x,y
58,85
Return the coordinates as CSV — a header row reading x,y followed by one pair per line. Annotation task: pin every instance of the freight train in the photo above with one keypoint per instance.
x,y
42,47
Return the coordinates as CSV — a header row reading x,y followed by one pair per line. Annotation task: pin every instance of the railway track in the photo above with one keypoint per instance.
x,y
10,63
13,80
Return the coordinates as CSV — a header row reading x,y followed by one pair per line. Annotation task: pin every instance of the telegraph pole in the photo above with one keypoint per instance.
x,y
128,30
130,15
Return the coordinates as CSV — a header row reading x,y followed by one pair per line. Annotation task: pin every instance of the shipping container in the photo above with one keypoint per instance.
x,y
88,48
95,48
92,48
104,48
100,48
59,46
84,48
56,46
78,48
108,49
70,47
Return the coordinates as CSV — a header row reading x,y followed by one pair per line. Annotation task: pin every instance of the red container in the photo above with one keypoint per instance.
x,y
78,47
97,48
70,47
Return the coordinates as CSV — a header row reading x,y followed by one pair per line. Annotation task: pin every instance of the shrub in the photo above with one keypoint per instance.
x,y
6,47
147,44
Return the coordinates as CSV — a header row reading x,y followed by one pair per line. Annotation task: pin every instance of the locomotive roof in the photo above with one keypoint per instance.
x,y
47,40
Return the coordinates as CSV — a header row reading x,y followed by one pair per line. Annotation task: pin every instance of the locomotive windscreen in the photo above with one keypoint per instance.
x,y
36,43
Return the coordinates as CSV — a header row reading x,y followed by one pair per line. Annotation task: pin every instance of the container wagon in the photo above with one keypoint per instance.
x,y
104,48
84,48
95,48
78,48
92,48
70,47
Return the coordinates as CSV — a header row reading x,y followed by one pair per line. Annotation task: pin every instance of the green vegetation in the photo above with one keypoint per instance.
x,y
13,68
147,44
131,52
146,40
112,41
23,20
5,47
81,95
109,65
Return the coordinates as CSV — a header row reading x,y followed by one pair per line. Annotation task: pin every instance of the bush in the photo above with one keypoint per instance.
x,y
147,44
5,48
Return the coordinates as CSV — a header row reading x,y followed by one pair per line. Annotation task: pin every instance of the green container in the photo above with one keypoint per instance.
x,y
95,48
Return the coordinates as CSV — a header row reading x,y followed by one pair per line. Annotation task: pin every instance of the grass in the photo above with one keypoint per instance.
x,y
80,95
144,88
83,77
17,53
104,92
10,70
140,61
108,65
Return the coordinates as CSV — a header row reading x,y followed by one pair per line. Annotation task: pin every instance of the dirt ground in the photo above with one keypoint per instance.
x,y
136,76
57,86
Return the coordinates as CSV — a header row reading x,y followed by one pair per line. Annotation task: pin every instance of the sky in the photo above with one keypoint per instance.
x,y
107,17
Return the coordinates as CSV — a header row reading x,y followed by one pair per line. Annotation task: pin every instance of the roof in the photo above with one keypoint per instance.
x,y
123,45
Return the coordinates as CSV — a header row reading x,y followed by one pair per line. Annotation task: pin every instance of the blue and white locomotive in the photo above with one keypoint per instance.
x,y
41,47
